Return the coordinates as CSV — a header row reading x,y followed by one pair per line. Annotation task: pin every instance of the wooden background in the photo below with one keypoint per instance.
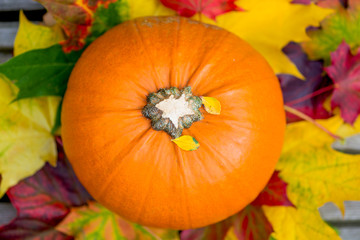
x,y
348,226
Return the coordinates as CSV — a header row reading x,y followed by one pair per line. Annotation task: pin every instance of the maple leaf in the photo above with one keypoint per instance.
x,y
40,72
306,96
33,36
274,193
298,224
75,18
342,25
96,222
315,174
344,71
26,142
43,200
250,223
210,8
259,26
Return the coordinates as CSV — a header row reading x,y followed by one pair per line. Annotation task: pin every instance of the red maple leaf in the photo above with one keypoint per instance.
x,y
345,73
274,193
251,222
75,18
210,8
43,200
307,96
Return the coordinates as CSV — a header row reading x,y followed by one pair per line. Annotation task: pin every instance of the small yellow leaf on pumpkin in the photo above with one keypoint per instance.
x,y
212,105
186,142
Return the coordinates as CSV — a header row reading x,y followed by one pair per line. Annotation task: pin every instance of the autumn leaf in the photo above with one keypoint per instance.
x,y
43,200
41,72
96,222
343,25
344,71
106,17
212,105
274,193
315,174
186,142
26,142
33,36
259,25
306,96
210,8
75,17
290,223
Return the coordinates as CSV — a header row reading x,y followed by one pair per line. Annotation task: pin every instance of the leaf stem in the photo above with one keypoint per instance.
x,y
310,120
313,94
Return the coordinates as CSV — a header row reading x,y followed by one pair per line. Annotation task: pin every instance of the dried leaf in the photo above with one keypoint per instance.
x,y
75,17
212,105
43,200
96,222
210,8
344,71
306,96
186,142
26,142
33,36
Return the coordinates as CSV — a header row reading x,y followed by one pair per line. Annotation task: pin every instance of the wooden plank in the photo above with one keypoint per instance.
x,y
7,213
331,213
7,34
4,56
14,5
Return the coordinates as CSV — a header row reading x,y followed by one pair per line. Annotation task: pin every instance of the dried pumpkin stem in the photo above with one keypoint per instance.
x,y
171,110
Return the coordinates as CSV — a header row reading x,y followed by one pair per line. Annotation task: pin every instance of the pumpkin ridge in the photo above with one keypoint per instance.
x,y
173,50
121,155
148,56
181,158
142,203
204,58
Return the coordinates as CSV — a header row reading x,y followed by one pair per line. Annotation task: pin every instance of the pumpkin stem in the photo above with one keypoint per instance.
x,y
171,110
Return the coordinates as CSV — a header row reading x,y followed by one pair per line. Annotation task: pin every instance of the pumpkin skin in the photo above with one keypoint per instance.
x,y
138,172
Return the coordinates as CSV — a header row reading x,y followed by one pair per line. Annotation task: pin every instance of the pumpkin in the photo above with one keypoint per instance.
x,y
137,171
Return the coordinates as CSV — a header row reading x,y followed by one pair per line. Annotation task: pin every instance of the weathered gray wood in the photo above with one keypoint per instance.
x,y
13,5
7,213
331,213
4,56
7,34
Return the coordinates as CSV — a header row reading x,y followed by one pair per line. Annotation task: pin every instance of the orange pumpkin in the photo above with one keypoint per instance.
x,y
139,172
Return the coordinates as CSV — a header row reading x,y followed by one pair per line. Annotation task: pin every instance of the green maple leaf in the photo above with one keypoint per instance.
x,y
343,25
96,222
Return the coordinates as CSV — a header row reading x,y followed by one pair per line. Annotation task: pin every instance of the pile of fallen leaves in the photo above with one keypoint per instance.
x,y
312,45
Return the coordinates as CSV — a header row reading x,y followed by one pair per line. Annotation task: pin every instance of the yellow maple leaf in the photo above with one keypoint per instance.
x,y
315,174
33,36
96,222
26,142
267,25
290,223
